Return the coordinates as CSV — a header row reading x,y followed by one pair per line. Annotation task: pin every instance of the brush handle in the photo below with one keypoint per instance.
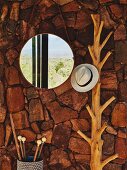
x,y
40,150
35,156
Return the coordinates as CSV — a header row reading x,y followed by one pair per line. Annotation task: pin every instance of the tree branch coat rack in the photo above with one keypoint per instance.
x,y
97,109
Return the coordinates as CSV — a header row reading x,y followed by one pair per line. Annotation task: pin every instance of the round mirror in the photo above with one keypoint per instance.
x,y
46,61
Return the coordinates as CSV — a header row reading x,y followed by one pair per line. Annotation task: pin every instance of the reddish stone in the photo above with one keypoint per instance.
x,y
61,136
111,166
21,120
116,10
111,130
73,99
120,33
63,2
47,96
60,156
90,4
48,134
84,114
15,99
123,91
31,93
1,58
83,20
2,131
122,134
70,19
12,76
61,114
35,110
123,2
104,1
11,54
58,22
109,80
76,142
1,93
29,134
71,7
35,127
47,3
80,124
8,134
121,148
27,4
119,115
6,163
82,158
108,147
47,125
3,113
125,72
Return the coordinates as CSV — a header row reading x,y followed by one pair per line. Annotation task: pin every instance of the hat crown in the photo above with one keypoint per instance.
x,y
83,75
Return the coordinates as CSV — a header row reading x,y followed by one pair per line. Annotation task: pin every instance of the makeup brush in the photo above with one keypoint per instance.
x,y
21,146
24,151
37,149
43,140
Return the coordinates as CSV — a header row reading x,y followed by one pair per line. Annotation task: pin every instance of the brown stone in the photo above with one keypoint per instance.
x,y
61,114
1,93
35,110
3,113
123,91
109,80
2,135
74,144
29,134
47,125
35,127
80,124
119,115
84,114
63,2
125,72
58,22
15,99
6,163
1,58
21,120
47,96
60,156
12,76
123,2
48,134
116,10
71,7
104,1
121,148
27,4
61,136
120,33
8,134
11,54
31,93
73,99
111,166
82,158
70,19
108,147
122,134
83,20
91,4
111,130
14,13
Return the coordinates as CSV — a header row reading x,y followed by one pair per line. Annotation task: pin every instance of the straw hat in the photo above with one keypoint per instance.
x,y
84,77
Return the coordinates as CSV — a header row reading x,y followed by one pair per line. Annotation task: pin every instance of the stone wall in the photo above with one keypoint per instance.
x,y
54,113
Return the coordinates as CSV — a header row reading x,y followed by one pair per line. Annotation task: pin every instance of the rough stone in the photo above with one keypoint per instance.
x,y
12,76
60,156
120,33
108,147
58,22
1,93
31,93
15,99
11,54
111,130
61,114
3,113
81,124
70,19
123,91
48,134
123,2
63,2
2,135
122,134
47,125
47,96
121,148
82,158
109,80
61,136
81,23
74,99
71,7
119,115
35,110
104,1
116,10
112,166
27,4
35,127
125,72
6,163
29,134
1,58
74,144
8,134
21,120
90,4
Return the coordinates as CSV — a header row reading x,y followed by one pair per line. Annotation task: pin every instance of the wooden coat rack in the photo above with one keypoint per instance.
x,y
97,109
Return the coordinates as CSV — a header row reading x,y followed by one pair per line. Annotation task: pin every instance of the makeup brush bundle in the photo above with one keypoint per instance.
x,y
27,162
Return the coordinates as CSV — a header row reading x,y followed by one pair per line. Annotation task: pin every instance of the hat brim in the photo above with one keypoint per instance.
x,y
91,84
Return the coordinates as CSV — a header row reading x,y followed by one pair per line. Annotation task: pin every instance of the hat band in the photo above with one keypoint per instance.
x,y
88,81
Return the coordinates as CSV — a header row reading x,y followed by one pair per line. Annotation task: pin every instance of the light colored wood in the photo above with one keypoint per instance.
x,y
15,137
24,150
97,109
37,149
21,146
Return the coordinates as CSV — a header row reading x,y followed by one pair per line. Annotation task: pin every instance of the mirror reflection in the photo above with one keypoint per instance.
x,y
46,61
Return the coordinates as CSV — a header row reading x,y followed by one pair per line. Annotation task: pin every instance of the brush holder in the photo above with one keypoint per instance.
x,y
29,164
